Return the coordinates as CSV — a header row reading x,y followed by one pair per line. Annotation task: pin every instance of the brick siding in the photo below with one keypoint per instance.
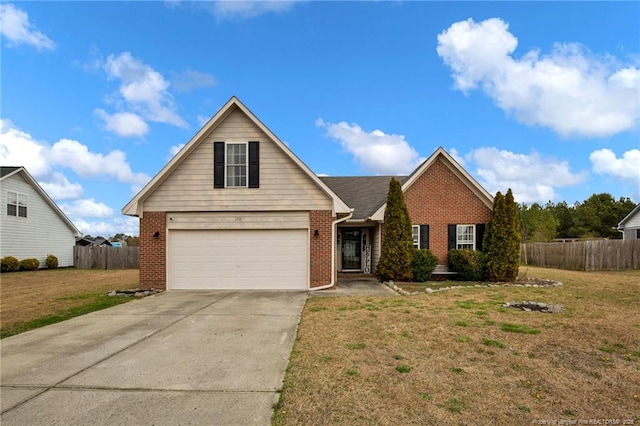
x,y
153,254
320,245
438,198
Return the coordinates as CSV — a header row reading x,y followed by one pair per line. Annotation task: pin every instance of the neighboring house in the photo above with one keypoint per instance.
x,y
32,224
630,225
98,241
236,209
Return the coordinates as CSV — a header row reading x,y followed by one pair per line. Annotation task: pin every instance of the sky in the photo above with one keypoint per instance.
x,y
539,97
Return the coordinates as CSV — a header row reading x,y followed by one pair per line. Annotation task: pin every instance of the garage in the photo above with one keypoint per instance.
x,y
238,259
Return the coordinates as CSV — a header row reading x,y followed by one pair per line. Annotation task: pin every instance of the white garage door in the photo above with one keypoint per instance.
x,y
238,259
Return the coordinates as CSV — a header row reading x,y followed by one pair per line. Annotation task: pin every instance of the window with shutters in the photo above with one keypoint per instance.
x,y
16,204
415,230
236,165
465,237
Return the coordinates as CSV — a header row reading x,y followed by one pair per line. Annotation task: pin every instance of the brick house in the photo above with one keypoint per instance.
x,y
237,209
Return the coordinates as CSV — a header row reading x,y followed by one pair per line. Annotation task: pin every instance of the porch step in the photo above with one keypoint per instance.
x,y
443,270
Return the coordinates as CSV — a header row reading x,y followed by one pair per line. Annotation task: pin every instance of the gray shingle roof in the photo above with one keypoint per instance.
x,y
7,170
365,194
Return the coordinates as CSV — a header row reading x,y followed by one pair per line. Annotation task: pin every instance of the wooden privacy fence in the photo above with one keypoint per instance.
x,y
594,255
94,257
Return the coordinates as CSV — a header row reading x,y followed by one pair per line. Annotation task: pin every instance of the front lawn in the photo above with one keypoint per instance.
x,y
459,357
33,299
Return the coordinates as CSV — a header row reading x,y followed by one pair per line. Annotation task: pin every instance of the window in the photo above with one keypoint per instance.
x,y
236,165
465,237
16,204
415,230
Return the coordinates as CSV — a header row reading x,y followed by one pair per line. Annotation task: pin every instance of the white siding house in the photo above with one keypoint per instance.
x,y
630,225
31,224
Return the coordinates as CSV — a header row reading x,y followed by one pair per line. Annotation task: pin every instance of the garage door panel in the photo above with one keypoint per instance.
x,y
239,259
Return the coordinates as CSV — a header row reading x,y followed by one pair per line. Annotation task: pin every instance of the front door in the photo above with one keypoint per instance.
x,y
351,250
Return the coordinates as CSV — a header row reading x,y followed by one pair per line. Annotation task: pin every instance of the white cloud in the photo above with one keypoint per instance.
x,y
126,124
59,188
143,89
376,151
85,208
16,28
191,80
18,148
174,149
569,90
107,228
202,120
532,178
77,157
240,9
44,162
627,167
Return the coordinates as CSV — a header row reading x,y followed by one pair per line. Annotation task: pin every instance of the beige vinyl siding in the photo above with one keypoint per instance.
x,y
238,220
41,233
283,185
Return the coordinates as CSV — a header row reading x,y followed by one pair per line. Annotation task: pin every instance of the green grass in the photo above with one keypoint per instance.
x,y
403,368
518,328
494,343
358,345
94,302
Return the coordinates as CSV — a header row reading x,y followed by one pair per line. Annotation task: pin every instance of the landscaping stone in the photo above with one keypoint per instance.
x,y
138,292
531,306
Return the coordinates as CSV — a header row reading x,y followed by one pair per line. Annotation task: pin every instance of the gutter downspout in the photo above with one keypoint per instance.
x,y
333,251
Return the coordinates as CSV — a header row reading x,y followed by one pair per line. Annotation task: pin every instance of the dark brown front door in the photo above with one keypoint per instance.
x,y
351,250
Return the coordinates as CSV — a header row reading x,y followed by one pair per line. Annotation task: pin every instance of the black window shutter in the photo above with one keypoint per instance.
x,y
479,235
218,164
254,165
424,237
452,236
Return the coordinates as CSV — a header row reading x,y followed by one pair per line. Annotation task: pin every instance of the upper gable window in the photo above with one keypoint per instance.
x,y
16,204
236,165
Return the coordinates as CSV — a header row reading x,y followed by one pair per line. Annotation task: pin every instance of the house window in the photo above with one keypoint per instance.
x,y
415,231
465,237
16,204
236,165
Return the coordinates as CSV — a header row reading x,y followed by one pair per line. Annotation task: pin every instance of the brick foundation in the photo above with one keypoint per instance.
x,y
320,245
153,251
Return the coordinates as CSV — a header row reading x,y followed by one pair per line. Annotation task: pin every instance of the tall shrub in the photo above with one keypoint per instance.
x,y
501,244
397,246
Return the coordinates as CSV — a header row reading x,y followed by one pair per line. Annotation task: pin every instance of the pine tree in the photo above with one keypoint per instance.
x,y
397,247
502,240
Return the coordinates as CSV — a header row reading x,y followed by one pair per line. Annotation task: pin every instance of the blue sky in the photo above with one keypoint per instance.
x,y
540,97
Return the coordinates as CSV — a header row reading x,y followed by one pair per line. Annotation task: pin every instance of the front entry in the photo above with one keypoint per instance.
x,y
351,250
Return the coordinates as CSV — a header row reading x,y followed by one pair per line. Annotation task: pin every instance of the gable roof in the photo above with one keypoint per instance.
x,y
363,193
6,172
455,167
631,214
134,207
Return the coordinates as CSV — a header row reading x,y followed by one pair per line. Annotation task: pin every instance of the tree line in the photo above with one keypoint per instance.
x,y
597,217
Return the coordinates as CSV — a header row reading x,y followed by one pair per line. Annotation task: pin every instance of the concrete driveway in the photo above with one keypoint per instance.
x,y
173,358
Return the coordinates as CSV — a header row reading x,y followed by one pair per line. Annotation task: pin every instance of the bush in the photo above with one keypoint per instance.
x,y
30,264
467,263
51,261
424,263
9,264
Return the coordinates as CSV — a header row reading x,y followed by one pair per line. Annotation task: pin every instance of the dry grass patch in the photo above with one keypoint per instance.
x,y
444,357
26,297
